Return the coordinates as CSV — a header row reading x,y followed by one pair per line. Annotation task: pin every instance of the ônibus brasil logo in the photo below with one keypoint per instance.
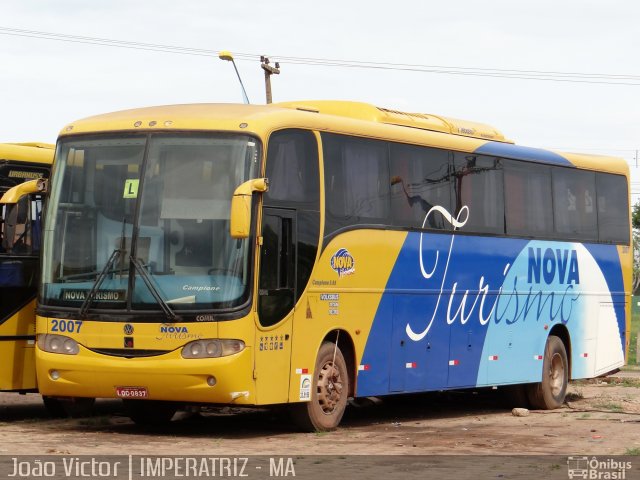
x,y
343,263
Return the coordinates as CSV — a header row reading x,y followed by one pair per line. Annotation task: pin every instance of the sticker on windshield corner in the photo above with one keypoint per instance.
x,y
305,388
343,263
131,188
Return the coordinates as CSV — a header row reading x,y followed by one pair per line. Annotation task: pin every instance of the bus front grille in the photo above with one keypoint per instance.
x,y
128,353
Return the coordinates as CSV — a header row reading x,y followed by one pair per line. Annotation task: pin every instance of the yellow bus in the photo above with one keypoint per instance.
x,y
310,252
20,263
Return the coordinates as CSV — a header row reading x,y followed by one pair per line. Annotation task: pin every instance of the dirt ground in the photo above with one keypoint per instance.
x,y
601,417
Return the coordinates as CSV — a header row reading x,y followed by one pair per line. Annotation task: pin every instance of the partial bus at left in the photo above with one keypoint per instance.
x,y
20,233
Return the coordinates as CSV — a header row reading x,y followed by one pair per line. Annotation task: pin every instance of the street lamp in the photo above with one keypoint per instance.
x,y
224,55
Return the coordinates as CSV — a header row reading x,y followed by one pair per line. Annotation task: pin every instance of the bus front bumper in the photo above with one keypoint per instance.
x,y
223,380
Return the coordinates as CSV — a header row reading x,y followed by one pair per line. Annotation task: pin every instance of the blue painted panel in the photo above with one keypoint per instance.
x,y
518,152
472,311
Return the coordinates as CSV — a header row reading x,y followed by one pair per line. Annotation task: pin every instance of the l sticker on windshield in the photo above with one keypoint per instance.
x,y
131,188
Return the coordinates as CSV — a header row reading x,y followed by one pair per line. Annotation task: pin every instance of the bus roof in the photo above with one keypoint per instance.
x,y
423,121
354,118
31,152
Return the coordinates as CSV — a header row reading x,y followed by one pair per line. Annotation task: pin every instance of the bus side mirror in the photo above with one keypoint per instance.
x,y
240,223
14,194
17,204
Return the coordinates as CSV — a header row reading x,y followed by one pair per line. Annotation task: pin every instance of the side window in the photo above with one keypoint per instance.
x,y
420,180
277,266
613,208
528,205
478,185
22,229
357,181
294,186
292,169
574,204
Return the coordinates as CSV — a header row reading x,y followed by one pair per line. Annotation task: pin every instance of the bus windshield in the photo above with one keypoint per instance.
x,y
142,222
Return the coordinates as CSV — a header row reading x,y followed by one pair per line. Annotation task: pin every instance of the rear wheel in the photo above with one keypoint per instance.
x,y
550,392
329,392
150,412
515,396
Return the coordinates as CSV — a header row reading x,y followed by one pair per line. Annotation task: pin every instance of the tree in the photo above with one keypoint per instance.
x,y
635,216
636,261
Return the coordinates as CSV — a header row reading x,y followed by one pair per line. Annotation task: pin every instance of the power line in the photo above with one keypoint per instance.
x,y
553,76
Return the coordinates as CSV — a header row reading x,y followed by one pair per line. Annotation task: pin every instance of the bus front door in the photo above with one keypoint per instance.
x,y
19,273
276,298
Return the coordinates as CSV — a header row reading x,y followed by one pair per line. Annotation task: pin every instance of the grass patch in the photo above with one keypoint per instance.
x,y
624,382
632,359
632,451
613,407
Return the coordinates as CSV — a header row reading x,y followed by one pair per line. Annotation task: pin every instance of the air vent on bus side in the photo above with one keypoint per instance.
x,y
371,113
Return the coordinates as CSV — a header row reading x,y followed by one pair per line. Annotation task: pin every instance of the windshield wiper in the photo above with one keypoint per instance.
x,y
139,266
96,285
103,274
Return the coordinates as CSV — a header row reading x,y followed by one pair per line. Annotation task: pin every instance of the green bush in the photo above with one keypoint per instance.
x,y
635,326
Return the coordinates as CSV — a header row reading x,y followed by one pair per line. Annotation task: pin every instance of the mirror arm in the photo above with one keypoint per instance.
x,y
14,194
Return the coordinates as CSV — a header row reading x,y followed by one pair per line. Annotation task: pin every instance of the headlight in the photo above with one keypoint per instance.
x,y
212,348
58,344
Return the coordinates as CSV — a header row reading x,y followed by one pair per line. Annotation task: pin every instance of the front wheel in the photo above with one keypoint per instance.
x,y
150,412
550,392
329,392
74,407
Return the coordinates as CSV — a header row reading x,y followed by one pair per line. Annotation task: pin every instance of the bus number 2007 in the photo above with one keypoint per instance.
x,y
70,326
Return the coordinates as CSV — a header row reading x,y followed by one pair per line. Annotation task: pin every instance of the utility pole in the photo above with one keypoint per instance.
x,y
268,71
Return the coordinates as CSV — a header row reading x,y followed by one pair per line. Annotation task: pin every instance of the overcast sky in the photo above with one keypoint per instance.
x,y
45,84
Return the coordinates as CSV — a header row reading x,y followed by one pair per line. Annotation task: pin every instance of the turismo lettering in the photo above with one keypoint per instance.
x,y
559,266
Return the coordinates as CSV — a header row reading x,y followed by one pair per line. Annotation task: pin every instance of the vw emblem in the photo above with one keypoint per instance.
x,y
128,329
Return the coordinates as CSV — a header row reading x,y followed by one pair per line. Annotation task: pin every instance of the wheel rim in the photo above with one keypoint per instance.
x,y
329,388
556,375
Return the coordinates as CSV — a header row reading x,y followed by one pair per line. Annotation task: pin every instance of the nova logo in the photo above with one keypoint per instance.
x,y
165,329
343,263
553,265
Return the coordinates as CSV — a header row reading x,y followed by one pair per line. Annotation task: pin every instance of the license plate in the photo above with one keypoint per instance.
x,y
132,392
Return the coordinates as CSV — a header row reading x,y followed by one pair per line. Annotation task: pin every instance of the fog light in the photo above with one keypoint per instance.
x,y
54,374
211,381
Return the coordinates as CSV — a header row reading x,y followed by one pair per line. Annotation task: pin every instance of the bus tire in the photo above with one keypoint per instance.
x,y
329,392
550,392
73,407
515,396
54,407
150,412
